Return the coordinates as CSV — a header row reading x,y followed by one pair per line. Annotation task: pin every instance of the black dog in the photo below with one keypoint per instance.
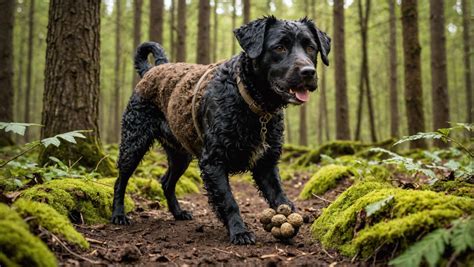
x,y
240,117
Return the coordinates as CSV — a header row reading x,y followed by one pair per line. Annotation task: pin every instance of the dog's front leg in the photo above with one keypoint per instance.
x,y
220,197
267,178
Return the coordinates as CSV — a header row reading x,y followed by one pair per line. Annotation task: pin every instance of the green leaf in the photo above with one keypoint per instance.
x,y
51,141
431,247
418,136
16,127
376,206
462,236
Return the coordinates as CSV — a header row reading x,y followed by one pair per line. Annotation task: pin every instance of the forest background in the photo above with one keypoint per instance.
x,y
125,23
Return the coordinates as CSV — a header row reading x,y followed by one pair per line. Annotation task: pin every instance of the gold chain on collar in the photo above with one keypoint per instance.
x,y
264,117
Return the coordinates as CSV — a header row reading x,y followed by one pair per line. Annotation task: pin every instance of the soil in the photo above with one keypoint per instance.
x,y
155,238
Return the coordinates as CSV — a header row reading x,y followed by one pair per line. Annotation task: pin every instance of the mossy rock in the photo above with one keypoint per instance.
x,y
74,197
18,247
88,151
43,215
345,226
326,178
149,188
456,187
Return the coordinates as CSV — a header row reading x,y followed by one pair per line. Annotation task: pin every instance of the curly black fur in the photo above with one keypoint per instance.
x,y
231,131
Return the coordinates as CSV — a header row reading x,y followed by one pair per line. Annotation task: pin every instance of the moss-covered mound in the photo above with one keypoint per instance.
x,y
332,149
18,247
77,198
324,179
43,215
455,187
398,219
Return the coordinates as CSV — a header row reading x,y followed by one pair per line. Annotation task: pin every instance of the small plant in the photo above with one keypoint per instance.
x,y
19,128
460,237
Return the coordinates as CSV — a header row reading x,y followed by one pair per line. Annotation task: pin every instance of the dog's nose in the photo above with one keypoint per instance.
x,y
307,72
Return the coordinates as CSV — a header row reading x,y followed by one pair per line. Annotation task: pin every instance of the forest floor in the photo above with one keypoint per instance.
x,y
155,237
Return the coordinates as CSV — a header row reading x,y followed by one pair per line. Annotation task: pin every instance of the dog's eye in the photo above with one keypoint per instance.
x,y
310,49
280,49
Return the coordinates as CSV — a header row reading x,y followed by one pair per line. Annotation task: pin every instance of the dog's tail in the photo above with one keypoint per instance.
x,y
141,56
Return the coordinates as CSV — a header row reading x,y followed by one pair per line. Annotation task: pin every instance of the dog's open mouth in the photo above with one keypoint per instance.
x,y
301,95
294,95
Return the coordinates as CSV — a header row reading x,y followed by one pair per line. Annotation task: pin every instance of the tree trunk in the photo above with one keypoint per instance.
x,y
323,107
342,104
7,11
118,51
439,77
20,77
71,95
394,121
234,21
303,129
172,30
29,66
137,32
181,50
215,33
203,40
466,11
156,21
289,138
246,11
412,62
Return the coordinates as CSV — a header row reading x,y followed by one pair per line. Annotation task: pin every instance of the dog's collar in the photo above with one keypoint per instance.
x,y
249,100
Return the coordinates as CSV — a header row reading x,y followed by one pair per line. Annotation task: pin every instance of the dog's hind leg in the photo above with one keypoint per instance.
x,y
178,162
140,125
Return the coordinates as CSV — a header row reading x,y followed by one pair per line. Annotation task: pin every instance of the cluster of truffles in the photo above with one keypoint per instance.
x,y
281,223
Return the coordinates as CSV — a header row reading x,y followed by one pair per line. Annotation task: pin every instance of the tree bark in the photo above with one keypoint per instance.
x,y
118,51
182,29
234,21
466,10
342,104
7,11
439,77
412,65
246,11
394,120
303,127
156,21
289,138
71,95
203,40
20,77
172,30
215,32
29,66
137,32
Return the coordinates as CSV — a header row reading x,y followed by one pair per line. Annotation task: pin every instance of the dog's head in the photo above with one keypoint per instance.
x,y
284,53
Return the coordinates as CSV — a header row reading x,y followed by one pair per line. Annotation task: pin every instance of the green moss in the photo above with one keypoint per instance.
x,y
18,247
411,213
72,196
48,218
186,185
88,151
323,180
149,188
456,187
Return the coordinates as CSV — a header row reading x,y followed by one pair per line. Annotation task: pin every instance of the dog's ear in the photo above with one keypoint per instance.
x,y
321,38
252,35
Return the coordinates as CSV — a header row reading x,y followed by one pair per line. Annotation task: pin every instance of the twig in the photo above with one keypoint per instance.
x,y
74,253
327,253
95,241
19,155
98,163
229,252
321,198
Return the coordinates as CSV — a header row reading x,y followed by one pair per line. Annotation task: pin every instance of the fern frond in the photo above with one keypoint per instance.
x,y
462,236
430,248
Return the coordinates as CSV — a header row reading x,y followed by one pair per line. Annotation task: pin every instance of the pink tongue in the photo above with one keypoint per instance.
x,y
303,96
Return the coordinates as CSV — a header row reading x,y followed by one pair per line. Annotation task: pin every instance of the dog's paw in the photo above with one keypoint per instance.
x,y
245,238
183,215
120,219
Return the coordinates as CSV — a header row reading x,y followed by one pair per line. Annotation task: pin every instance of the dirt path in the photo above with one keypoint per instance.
x,y
155,237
